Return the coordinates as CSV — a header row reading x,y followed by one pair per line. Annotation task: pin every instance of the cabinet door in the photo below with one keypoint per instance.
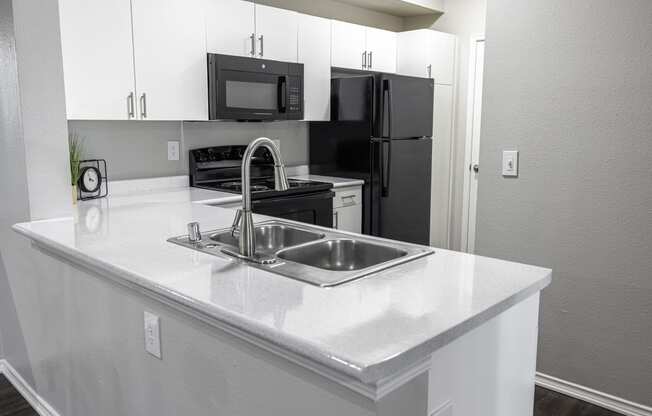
x,y
412,57
170,58
230,27
314,54
98,62
276,33
441,165
381,46
442,50
348,45
348,218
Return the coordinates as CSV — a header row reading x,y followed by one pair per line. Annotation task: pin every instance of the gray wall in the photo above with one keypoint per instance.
x,y
568,85
138,149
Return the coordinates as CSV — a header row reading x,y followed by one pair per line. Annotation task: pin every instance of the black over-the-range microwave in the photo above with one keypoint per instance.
x,y
241,88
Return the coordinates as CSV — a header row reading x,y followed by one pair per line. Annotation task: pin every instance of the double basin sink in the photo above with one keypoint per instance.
x,y
313,255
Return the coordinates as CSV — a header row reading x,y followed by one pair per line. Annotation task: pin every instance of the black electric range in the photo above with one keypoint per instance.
x,y
218,168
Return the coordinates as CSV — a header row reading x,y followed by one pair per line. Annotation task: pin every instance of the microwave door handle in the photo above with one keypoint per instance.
x,y
282,94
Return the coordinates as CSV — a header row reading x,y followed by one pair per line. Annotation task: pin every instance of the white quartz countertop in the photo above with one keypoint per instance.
x,y
367,329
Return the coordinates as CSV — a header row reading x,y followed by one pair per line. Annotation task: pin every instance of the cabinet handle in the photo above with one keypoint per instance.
x,y
262,45
371,60
252,52
143,106
130,105
364,59
336,220
430,71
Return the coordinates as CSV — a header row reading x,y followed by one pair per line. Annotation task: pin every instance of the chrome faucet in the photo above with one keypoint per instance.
x,y
243,224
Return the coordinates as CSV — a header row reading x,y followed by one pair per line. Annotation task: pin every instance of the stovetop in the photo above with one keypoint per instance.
x,y
218,168
264,187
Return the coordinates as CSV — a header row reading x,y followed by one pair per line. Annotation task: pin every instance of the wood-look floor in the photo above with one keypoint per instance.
x,y
11,402
550,403
546,403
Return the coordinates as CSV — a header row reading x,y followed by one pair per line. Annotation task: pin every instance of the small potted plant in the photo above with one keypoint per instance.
x,y
75,148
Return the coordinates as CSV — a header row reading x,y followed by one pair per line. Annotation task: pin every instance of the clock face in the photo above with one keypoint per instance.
x,y
90,179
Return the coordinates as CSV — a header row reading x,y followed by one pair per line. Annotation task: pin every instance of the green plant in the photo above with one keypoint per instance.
x,y
75,149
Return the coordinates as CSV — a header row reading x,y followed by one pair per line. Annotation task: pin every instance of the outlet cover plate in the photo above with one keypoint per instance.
x,y
173,150
152,334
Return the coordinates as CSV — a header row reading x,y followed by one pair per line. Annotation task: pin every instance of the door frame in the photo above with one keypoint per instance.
x,y
468,235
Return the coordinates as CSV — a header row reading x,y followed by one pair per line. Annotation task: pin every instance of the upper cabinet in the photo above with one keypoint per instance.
x,y
110,47
381,50
427,53
276,33
314,52
360,47
242,28
96,42
348,47
170,59
230,27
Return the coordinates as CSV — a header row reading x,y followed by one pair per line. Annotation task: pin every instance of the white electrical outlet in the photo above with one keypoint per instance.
x,y
152,334
277,142
173,150
510,163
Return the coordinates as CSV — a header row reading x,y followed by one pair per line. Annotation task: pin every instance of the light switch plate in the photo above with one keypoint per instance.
x,y
510,163
152,334
173,150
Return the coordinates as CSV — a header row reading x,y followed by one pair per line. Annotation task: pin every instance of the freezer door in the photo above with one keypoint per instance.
x,y
405,107
403,190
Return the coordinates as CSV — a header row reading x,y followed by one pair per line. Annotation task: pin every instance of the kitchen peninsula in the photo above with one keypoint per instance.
x,y
446,334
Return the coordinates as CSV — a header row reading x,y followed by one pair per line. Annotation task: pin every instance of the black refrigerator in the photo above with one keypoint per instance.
x,y
380,131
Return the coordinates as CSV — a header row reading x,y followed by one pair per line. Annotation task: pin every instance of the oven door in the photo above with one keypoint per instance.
x,y
314,208
246,89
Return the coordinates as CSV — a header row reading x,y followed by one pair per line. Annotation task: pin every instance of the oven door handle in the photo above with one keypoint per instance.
x,y
315,196
282,94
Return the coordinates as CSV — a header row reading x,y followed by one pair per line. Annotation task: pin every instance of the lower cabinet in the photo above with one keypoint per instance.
x,y
347,209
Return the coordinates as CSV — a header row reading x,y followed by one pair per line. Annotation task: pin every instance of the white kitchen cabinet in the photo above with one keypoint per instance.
x,y
348,47
381,49
230,27
427,53
441,165
360,47
170,59
97,53
442,52
347,209
314,52
276,33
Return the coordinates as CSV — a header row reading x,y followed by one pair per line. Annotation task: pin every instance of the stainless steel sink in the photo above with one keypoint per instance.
x,y
341,254
319,256
271,238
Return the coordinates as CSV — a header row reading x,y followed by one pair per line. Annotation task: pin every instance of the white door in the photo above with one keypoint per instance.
x,y
97,59
381,49
442,57
170,59
348,45
315,55
412,58
230,27
441,166
473,146
276,33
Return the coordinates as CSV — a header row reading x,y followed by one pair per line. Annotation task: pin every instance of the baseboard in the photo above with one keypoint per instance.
x,y
598,398
41,407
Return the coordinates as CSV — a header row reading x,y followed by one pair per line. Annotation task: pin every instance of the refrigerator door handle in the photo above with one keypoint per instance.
x,y
385,166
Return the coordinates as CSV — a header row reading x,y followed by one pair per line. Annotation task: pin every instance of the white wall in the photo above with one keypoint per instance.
x,y
33,129
568,85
